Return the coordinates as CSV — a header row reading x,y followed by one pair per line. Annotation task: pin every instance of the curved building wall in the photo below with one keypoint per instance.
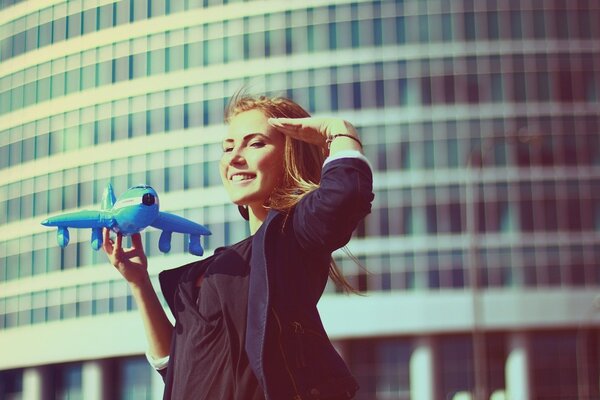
x,y
481,121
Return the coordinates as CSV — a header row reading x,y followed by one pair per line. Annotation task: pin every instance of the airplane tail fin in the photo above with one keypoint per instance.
x,y
108,197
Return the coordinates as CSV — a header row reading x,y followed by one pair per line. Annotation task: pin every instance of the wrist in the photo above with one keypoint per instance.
x,y
342,131
141,285
348,136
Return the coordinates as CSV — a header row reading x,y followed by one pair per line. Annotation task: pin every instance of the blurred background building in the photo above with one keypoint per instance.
x,y
481,120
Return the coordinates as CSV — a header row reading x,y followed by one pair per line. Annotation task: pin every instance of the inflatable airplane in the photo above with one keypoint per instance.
x,y
135,210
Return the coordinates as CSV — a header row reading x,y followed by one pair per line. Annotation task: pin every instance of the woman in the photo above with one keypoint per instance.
x,y
247,326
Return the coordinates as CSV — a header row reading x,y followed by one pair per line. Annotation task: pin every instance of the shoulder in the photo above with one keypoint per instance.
x,y
173,276
170,279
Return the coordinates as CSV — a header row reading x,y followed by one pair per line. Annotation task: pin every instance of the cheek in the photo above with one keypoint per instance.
x,y
272,166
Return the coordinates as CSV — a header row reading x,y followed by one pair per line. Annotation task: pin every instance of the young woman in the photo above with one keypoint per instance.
x,y
247,325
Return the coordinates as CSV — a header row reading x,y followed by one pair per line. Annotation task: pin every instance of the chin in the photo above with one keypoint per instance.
x,y
242,200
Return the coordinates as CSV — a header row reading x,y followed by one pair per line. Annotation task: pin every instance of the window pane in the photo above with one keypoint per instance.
x,y
156,61
121,68
90,17
135,377
59,30
74,25
106,17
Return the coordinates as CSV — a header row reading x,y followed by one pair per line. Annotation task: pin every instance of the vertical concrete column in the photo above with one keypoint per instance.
x,y
517,368
422,379
33,383
94,380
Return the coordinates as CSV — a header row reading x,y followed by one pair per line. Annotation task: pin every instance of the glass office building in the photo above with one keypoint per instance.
x,y
482,123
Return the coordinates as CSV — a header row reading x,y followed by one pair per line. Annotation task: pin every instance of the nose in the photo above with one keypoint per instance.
x,y
236,157
148,199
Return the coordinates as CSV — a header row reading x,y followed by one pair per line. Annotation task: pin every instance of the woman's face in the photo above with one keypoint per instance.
x,y
252,163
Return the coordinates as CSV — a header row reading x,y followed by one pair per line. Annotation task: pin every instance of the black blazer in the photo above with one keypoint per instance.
x,y
287,346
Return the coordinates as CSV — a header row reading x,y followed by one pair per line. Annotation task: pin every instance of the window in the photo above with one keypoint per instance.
x,y
539,23
156,120
73,81
139,10
69,382
18,44
90,18
157,8
135,375
74,25
456,365
344,35
104,73
45,34
496,88
59,30
106,16
121,68
156,61
11,383
38,307
493,28
69,301
84,300
31,39
119,296
554,368
446,27
393,377
101,298
103,131
516,28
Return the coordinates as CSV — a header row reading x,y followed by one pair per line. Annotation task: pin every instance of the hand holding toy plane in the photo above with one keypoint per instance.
x,y
134,211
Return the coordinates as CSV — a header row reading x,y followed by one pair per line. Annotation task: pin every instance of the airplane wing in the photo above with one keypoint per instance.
x,y
82,219
169,223
174,223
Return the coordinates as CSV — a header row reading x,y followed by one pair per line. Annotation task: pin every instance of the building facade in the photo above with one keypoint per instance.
x,y
482,123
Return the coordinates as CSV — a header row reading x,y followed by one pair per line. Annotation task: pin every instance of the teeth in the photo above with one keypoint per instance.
x,y
240,177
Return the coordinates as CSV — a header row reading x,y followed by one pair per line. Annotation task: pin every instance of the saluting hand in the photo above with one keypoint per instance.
x,y
131,262
313,130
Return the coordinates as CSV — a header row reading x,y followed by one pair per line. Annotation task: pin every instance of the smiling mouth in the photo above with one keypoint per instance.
x,y
241,177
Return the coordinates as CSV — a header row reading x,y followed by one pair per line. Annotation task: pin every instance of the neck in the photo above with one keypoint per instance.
x,y
257,215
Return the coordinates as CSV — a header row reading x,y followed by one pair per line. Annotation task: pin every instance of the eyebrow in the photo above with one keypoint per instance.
x,y
247,137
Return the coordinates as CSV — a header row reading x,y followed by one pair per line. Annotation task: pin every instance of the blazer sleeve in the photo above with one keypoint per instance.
x,y
325,218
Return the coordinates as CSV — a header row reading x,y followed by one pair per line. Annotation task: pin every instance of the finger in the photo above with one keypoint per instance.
x,y
119,245
107,243
136,241
279,122
129,253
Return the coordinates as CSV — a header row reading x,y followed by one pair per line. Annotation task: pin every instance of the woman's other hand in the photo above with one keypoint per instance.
x,y
131,262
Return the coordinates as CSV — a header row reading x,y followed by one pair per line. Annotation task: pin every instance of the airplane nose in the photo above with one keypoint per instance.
x,y
148,199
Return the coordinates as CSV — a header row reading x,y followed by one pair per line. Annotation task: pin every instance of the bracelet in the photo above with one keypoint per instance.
x,y
332,137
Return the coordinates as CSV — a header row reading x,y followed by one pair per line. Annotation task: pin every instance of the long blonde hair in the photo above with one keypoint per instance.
x,y
302,161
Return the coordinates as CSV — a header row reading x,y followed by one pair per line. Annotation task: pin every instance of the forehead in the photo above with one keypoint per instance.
x,y
253,121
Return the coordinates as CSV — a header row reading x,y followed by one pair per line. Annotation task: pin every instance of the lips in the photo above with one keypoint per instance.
x,y
241,177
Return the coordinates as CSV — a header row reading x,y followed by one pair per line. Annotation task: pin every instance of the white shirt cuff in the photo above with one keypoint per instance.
x,y
158,363
348,154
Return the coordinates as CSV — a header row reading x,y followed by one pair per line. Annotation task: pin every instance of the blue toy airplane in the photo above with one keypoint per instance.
x,y
135,210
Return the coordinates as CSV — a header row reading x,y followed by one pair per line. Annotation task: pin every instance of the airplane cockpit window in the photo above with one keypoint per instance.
x,y
148,199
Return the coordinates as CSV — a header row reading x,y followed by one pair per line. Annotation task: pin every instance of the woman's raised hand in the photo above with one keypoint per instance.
x,y
131,262
313,130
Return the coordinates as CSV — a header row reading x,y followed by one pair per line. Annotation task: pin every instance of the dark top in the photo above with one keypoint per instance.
x,y
285,341
211,326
